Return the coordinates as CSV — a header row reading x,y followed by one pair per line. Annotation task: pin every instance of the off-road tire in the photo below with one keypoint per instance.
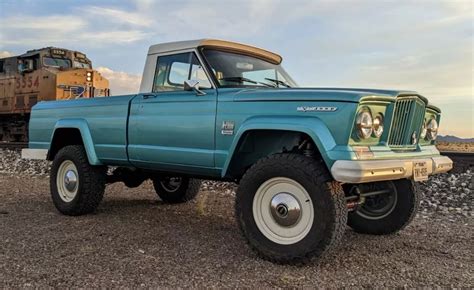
x,y
328,200
408,200
91,182
188,190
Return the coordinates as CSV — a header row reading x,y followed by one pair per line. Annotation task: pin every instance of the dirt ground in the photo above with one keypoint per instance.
x,y
136,240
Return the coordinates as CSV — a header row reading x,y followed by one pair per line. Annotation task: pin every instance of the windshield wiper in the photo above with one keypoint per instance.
x,y
242,79
278,82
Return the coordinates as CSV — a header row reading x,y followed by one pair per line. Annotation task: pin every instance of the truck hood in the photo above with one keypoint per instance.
x,y
316,94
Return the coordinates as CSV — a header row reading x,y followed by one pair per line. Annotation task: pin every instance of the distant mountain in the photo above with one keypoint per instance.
x,y
450,138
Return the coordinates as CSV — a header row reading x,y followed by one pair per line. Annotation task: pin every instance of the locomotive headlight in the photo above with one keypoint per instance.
x,y
378,126
364,124
432,129
89,79
89,74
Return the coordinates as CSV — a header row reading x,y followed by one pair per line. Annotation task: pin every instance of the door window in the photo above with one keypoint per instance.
x,y
179,72
172,70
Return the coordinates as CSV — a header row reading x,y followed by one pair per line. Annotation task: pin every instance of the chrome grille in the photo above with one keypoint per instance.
x,y
407,120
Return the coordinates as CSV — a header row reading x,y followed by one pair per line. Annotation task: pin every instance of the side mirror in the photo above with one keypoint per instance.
x,y
193,85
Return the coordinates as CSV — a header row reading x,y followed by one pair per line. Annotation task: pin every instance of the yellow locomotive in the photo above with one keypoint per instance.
x,y
44,74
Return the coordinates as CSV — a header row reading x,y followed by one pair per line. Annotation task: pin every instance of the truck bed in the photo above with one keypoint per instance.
x,y
106,119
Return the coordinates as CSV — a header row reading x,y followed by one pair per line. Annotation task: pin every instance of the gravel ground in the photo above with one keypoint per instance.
x,y
136,240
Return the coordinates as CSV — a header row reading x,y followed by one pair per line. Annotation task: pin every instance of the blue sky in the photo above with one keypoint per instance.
x,y
425,46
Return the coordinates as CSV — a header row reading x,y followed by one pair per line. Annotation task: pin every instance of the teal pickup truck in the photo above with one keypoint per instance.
x,y
308,161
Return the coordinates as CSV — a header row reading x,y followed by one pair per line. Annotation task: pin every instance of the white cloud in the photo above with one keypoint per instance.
x,y
97,27
117,15
395,47
182,20
26,30
57,23
417,45
5,53
107,37
121,83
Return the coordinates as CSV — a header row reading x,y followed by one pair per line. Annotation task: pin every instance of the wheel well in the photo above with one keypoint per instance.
x,y
64,137
256,144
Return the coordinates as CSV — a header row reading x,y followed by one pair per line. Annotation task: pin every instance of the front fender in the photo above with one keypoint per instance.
x,y
312,126
86,136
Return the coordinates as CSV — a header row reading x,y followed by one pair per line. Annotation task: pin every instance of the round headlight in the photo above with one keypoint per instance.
x,y
364,124
423,131
432,129
89,74
89,79
378,126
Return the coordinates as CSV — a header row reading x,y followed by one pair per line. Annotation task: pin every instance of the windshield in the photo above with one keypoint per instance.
x,y
78,64
233,70
56,62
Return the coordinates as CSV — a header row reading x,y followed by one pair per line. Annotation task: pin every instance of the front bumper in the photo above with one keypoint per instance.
x,y
353,171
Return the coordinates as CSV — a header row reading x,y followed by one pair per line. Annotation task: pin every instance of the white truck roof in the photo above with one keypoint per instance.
x,y
190,44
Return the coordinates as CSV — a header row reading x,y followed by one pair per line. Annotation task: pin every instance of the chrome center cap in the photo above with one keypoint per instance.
x,y
285,209
70,180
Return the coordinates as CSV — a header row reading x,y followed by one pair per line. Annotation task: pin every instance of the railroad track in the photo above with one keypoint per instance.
x,y
458,154
13,145
462,160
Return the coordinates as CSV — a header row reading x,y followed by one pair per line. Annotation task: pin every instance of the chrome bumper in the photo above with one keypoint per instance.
x,y
352,171
34,154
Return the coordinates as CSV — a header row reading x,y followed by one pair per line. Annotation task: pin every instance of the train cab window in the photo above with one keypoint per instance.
x,y
2,64
28,64
80,64
56,62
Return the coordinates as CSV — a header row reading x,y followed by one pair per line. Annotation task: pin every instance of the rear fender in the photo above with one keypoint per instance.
x,y
83,127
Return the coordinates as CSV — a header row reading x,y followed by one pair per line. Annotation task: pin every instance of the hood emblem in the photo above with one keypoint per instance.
x,y
315,109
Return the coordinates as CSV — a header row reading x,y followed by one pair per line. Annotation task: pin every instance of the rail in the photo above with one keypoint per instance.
x,y
13,145
462,160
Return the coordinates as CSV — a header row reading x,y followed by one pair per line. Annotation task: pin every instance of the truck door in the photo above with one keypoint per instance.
x,y
170,128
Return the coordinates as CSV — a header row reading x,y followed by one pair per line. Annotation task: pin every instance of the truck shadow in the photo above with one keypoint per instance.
x,y
213,231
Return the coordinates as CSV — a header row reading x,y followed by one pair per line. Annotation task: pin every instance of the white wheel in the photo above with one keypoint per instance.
x,y
176,189
67,181
387,212
171,184
289,209
283,210
76,187
378,207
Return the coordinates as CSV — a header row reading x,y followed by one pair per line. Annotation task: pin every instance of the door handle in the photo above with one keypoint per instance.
x,y
149,96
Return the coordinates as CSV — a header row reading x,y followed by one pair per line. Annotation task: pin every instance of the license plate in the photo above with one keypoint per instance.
x,y
420,171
